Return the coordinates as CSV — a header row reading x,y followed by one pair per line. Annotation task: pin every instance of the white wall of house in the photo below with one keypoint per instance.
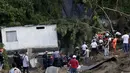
x,y
22,37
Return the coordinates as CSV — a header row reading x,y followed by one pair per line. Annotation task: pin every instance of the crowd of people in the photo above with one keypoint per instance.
x,y
107,44
59,60
101,43
20,63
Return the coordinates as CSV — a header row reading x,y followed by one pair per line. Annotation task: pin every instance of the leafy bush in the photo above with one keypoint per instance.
x,y
6,64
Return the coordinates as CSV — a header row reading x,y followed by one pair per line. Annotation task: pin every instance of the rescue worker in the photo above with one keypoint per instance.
x,y
114,44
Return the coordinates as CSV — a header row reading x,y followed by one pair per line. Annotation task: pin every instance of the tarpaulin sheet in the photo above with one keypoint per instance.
x,y
70,9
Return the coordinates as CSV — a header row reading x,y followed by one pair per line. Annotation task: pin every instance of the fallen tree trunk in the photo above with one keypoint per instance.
x,y
84,68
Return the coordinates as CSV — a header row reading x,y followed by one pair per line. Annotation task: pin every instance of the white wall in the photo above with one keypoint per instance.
x,y
30,37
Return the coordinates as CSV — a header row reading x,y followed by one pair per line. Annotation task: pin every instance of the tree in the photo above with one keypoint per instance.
x,y
22,12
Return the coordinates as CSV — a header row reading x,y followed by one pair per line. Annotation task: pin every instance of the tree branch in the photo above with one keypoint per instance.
x,y
116,11
117,4
107,18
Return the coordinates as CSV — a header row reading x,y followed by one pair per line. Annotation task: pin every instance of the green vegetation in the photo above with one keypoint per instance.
x,y
72,32
22,12
1,45
6,64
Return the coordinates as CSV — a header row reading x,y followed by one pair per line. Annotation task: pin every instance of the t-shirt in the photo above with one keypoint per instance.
x,y
56,54
74,63
25,61
15,70
114,41
94,45
125,38
84,46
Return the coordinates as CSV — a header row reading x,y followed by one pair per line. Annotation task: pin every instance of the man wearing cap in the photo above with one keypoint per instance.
x,y
73,64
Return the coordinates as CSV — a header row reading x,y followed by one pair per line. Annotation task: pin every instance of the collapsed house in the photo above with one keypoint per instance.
x,y
38,38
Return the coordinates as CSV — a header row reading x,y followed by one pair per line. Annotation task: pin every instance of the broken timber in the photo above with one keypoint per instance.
x,y
83,68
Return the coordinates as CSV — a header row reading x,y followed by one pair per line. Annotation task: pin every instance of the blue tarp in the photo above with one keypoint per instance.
x,y
75,10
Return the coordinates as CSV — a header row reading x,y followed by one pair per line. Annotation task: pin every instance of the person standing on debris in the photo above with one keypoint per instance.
x,y
125,38
94,47
49,61
106,47
45,60
84,47
114,44
1,61
73,63
57,59
77,53
17,60
100,42
64,60
25,63
14,69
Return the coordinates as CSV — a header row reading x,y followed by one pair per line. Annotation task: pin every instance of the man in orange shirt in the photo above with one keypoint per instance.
x,y
114,43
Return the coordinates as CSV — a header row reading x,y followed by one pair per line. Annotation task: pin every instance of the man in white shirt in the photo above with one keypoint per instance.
x,y
14,69
25,63
94,47
125,38
84,47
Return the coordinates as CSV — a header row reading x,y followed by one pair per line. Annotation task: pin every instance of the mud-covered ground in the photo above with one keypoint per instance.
x,y
121,65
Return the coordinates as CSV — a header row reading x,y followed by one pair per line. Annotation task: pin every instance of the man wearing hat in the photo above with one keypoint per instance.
x,y
73,64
